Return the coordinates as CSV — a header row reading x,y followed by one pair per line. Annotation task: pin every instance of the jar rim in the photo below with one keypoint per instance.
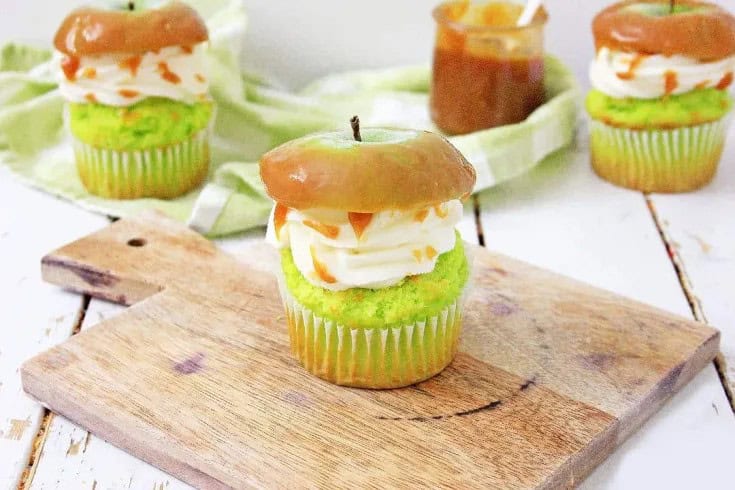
x,y
440,16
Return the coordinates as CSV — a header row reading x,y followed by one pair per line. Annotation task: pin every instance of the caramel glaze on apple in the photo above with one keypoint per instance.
x,y
706,34
93,31
418,172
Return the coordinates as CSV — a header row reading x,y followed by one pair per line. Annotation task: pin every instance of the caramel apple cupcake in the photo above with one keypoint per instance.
x,y
138,108
659,104
373,272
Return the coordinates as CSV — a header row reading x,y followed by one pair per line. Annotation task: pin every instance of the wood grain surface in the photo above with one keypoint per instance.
x,y
197,377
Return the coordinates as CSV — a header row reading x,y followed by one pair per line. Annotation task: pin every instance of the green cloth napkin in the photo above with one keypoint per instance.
x,y
253,117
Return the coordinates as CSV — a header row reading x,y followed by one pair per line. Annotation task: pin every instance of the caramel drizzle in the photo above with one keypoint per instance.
x,y
634,64
90,97
187,49
127,93
725,82
200,78
328,231
90,73
420,216
359,222
280,213
132,64
671,82
167,74
70,65
321,270
702,84
429,251
440,211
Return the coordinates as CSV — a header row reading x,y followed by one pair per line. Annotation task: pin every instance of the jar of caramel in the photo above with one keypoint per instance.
x,y
487,71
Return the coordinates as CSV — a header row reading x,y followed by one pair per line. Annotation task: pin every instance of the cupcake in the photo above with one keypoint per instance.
x,y
659,104
138,108
373,272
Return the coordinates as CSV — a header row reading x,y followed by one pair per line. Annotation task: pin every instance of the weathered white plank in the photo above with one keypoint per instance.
x,y
34,316
700,228
562,217
73,458
687,445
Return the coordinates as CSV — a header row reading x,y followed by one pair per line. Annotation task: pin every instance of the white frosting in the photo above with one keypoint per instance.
x,y
395,244
648,79
102,78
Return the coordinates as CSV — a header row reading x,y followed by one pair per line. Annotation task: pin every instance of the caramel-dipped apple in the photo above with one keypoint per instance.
x,y
373,272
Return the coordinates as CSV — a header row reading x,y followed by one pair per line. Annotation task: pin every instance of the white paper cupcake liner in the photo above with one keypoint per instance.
x,y
154,172
658,160
388,357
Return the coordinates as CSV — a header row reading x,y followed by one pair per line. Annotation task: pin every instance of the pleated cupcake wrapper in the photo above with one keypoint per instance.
x,y
658,160
388,357
164,172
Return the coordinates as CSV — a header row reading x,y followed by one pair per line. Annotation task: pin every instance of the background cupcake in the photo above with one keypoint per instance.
x,y
373,270
659,103
138,108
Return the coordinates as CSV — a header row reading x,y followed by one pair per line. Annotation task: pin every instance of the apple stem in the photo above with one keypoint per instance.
x,y
355,123
131,6
671,6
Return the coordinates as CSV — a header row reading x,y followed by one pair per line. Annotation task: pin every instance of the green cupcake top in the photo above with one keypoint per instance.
x,y
151,123
673,111
415,298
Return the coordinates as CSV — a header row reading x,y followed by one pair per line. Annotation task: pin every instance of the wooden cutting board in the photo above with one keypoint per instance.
x,y
197,377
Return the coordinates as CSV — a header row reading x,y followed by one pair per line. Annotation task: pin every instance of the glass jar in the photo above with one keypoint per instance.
x,y
487,71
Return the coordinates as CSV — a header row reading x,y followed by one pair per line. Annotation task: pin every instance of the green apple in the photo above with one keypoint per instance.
x,y
661,9
388,169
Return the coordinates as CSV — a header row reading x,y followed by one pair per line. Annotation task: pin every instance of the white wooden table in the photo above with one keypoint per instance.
x,y
676,252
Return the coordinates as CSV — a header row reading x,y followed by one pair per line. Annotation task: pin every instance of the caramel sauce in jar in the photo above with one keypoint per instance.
x,y
487,72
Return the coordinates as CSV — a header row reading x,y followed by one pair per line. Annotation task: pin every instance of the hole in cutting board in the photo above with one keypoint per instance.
x,y
136,242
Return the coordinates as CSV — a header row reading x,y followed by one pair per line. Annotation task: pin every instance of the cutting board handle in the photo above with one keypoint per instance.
x,y
130,260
